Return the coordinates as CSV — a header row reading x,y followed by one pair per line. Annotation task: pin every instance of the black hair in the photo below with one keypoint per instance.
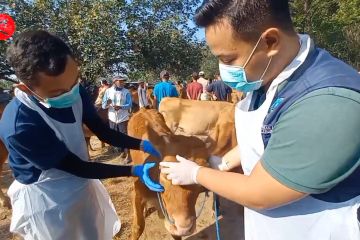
x,y
105,82
249,18
37,51
195,76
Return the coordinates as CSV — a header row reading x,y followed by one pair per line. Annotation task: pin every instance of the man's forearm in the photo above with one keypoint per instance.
x,y
232,186
257,191
128,103
118,139
232,159
92,170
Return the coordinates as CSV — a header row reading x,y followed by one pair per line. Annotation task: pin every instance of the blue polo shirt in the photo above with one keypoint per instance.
x,y
163,90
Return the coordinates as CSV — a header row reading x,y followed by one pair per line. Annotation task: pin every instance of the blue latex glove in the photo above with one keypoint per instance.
x,y
150,149
143,172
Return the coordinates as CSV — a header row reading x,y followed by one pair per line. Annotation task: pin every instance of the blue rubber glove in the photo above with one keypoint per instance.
x,y
147,147
143,172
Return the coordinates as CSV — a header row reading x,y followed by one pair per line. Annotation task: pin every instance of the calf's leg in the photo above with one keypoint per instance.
x,y
138,210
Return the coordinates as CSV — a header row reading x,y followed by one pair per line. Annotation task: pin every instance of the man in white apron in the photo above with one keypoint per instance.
x,y
297,128
55,194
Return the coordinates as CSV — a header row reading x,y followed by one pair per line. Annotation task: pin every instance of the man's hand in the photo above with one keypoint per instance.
x,y
183,172
143,173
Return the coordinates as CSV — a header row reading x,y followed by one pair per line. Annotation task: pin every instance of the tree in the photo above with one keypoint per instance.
x,y
334,25
5,70
159,38
119,36
92,28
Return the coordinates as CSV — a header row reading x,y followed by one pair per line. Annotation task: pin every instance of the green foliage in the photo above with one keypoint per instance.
x,y
92,28
160,38
142,37
5,70
334,24
210,64
110,37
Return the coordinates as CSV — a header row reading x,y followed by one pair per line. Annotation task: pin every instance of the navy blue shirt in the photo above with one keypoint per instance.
x,y
220,89
33,146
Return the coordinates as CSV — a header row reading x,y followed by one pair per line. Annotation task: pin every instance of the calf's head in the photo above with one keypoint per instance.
x,y
180,201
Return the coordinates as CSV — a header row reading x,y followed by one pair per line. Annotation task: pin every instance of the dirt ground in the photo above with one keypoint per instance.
x,y
231,224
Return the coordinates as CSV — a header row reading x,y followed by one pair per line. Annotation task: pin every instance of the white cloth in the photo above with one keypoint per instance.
x,y
308,218
143,101
118,98
60,205
204,83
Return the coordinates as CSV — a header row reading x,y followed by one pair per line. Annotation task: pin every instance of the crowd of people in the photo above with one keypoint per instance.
x,y
197,88
118,100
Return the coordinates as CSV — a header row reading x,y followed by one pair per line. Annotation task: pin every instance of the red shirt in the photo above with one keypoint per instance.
x,y
194,90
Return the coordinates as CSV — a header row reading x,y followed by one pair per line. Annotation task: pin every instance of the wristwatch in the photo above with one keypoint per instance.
x,y
142,146
224,166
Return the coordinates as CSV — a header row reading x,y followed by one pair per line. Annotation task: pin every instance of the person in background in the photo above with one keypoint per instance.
x,y
205,96
143,100
220,91
181,89
164,89
194,89
203,81
102,89
117,100
56,194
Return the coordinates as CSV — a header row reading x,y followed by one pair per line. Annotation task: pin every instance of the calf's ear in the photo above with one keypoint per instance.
x,y
159,140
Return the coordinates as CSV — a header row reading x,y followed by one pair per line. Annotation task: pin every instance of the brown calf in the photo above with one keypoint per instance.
x,y
210,129
178,201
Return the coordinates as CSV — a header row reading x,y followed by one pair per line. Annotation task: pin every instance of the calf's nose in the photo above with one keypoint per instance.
x,y
184,231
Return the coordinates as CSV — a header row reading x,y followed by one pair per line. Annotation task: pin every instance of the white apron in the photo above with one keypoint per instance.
x,y
309,218
59,205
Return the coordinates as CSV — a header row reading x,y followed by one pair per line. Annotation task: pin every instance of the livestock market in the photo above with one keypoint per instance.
x,y
156,119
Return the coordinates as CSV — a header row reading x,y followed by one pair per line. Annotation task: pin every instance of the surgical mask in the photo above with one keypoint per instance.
x,y
63,101
235,76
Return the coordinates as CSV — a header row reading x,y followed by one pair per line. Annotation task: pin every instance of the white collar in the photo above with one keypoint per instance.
x,y
306,44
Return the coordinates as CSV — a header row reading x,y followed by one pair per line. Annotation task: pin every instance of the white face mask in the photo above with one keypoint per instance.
x,y
235,76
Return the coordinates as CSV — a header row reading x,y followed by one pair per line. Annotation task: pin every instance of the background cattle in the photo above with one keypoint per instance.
x,y
211,121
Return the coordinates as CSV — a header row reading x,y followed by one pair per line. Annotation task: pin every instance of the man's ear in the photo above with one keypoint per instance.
x,y
272,41
21,86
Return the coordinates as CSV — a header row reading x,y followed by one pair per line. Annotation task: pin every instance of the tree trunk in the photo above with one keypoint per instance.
x,y
307,12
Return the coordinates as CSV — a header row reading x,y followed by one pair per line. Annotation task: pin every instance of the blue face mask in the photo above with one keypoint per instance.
x,y
235,76
64,100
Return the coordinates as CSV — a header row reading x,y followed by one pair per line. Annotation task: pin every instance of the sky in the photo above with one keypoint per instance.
x,y
200,34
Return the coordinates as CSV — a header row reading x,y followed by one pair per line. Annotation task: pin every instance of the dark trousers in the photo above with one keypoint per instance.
x,y
120,127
